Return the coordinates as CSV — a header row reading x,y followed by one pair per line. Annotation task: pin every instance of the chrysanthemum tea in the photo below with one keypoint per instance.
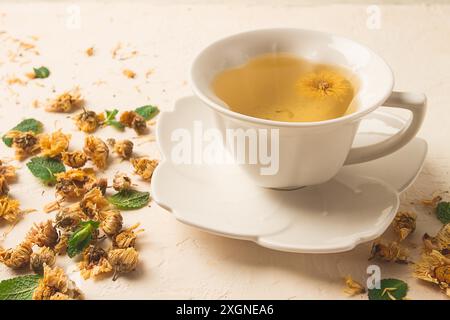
x,y
284,87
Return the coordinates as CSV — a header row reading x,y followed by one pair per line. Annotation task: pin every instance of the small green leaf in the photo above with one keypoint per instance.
x,y
24,126
41,72
45,168
81,238
19,288
147,112
390,289
111,119
443,212
129,199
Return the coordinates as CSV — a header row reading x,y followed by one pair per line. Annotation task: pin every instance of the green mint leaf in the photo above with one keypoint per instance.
x,y
111,119
41,72
24,126
443,212
81,238
390,289
129,199
19,288
147,112
45,168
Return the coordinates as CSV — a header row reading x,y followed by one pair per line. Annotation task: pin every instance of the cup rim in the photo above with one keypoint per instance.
x,y
239,116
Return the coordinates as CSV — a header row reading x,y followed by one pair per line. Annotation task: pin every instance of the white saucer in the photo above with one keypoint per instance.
x,y
354,207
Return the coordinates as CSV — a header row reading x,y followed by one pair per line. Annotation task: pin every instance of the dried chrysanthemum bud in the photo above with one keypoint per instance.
x,y
390,252
38,259
56,285
96,150
123,260
9,209
43,234
124,148
133,120
74,183
404,224
8,172
121,182
144,167
441,242
25,144
353,287
61,246
101,184
66,102
52,145
95,262
68,218
434,267
88,121
4,187
127,237
18,257
110,221
75,159
93,202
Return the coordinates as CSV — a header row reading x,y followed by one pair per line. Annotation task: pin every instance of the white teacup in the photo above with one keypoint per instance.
x,y
309,152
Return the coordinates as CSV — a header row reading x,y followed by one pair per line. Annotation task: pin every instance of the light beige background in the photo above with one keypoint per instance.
x,y
178,261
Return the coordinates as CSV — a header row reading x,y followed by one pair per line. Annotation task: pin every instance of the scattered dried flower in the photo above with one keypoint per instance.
x,y
63,242
123,260
121,181
353,287
432,202
133,120
110,221
95,263
144,167
93,202
9,172
390,252
9,209
404,224
43,234
88,121
74,159
96,150
127,238
68,218
45,256
18,257
66,102
52,145
25,144
74,183
90,51
4,187
123,148
435,268
55,285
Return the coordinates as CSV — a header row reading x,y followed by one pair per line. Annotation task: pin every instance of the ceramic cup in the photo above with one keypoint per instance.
x,y
309,152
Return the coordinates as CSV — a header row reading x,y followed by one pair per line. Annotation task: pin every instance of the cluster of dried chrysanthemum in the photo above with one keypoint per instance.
x,y
51,237
434,264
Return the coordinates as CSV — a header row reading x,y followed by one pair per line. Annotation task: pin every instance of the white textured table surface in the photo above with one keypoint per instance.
x,y
179,261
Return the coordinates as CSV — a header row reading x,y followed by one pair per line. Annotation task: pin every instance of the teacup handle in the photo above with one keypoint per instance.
x,y
416,103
